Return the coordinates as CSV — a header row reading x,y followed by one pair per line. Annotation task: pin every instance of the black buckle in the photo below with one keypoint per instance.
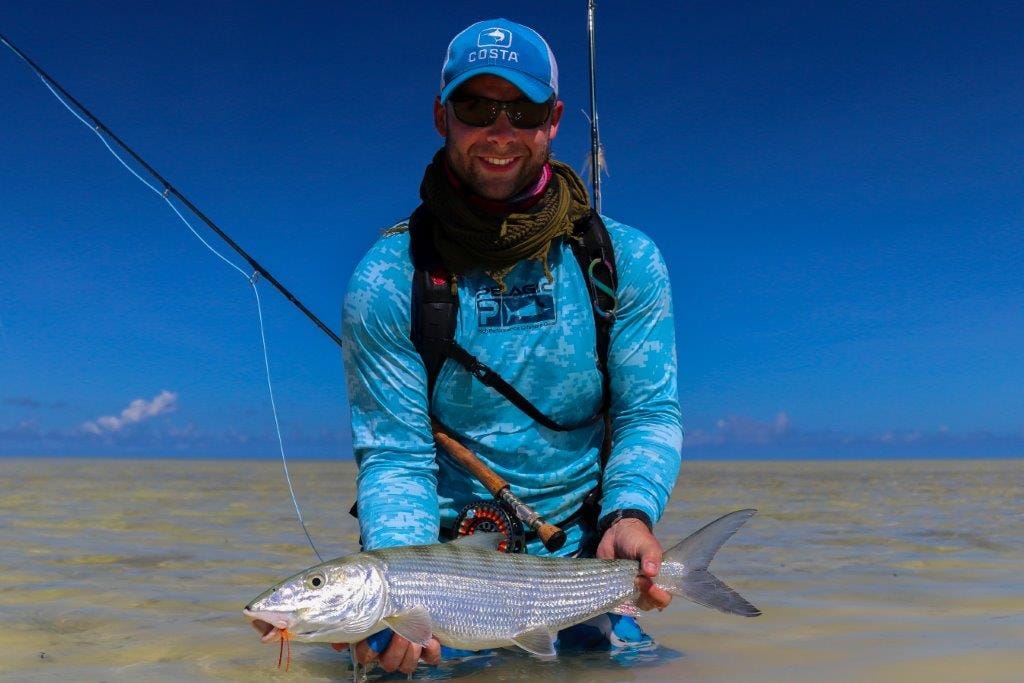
x,y
481,371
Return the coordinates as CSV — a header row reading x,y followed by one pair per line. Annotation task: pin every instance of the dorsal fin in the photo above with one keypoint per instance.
x,y
485,540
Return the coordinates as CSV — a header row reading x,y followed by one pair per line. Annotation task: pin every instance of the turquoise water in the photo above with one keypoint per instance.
x,y
120,570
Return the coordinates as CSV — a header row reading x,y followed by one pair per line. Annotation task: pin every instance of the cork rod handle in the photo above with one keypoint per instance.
x,y
550,535
468,459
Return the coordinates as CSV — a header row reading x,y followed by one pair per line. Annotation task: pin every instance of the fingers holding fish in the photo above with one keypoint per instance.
x,y
630,539
431,652
400,654
651,595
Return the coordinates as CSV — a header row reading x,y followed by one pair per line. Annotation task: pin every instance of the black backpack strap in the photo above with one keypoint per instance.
x,y
435,313
435,308
596,257
495,381
592,248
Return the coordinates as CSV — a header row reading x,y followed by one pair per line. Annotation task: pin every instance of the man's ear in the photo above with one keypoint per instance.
x,y
556,117
440,118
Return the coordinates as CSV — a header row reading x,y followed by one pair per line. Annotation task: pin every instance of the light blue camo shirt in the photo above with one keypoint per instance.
x,y
539,335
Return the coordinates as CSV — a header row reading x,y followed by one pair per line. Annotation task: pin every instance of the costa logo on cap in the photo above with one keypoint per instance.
x,y
494,37
502,48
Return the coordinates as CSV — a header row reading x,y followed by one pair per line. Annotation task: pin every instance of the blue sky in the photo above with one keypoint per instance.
x,y
836,187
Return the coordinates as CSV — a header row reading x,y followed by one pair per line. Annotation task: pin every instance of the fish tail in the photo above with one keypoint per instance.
x,y
684,568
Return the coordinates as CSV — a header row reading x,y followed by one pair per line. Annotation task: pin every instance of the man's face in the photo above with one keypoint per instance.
x,y
497,161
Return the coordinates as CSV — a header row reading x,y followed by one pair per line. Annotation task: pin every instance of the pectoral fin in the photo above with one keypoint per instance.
x,y
413,624
538,641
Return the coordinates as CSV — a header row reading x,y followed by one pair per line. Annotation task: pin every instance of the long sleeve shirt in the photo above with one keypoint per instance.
x,y
539,335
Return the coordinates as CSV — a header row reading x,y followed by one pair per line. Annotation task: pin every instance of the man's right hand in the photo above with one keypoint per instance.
x,y
631,539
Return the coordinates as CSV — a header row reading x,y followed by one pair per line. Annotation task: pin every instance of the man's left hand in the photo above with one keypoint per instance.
x,y
630,539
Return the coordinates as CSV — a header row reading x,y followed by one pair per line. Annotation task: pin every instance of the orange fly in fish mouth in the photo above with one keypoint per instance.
x,y
286,645
271,632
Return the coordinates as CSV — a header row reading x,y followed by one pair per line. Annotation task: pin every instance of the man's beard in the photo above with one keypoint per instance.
x,y
465,169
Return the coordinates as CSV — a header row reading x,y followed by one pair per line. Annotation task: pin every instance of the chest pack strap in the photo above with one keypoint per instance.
x,y
435,311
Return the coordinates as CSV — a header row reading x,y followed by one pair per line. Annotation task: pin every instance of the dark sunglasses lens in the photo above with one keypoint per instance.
x,y
476,111
526,114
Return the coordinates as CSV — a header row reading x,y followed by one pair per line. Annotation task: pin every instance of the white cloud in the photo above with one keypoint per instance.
x,y
735,429
138,410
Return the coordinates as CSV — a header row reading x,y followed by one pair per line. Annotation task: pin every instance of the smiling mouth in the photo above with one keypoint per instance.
x,y
498,163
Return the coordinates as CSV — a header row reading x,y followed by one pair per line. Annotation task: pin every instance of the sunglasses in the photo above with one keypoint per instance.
x,y
482,112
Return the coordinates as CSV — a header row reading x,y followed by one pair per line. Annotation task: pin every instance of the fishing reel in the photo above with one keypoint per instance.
x,y
485,516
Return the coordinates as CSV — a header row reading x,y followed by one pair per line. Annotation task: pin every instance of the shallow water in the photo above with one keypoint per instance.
x,y
119,570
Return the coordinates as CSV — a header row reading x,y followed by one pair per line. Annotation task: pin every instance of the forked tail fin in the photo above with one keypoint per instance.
x,y
684,568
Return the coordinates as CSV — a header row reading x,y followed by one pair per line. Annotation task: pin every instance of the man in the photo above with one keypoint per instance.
x,y
499,213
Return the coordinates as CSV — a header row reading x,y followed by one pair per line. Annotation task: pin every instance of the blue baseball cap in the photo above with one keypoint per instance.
x,y
505,49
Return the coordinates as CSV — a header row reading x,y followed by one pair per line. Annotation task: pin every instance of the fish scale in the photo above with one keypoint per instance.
x,y
499,596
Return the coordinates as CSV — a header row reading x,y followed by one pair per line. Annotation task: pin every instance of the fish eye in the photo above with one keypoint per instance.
x,y
315,581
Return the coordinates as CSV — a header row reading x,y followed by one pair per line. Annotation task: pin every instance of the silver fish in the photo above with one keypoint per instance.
x,y
470,597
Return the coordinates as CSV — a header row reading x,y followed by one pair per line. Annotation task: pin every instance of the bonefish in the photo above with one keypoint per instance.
x,y
471,597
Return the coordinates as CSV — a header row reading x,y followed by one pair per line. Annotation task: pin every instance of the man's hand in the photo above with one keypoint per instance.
x,y
399,654
630,539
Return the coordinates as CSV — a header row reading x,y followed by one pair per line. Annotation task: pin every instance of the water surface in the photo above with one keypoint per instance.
x,y
117,570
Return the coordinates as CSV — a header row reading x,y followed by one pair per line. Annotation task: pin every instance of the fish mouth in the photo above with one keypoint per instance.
x,y
269,624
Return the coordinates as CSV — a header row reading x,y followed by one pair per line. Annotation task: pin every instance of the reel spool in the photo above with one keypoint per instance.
x,y
491,516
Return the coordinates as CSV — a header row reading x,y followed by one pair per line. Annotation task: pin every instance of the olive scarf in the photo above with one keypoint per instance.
x,y
467,238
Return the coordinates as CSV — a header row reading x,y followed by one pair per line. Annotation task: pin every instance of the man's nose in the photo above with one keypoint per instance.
x,y
502,129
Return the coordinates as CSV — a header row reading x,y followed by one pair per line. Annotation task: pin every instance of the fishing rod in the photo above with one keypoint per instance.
x,y
468,459
596,155
170,190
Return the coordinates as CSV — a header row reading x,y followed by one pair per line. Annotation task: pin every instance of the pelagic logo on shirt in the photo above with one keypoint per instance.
x,y
529,304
